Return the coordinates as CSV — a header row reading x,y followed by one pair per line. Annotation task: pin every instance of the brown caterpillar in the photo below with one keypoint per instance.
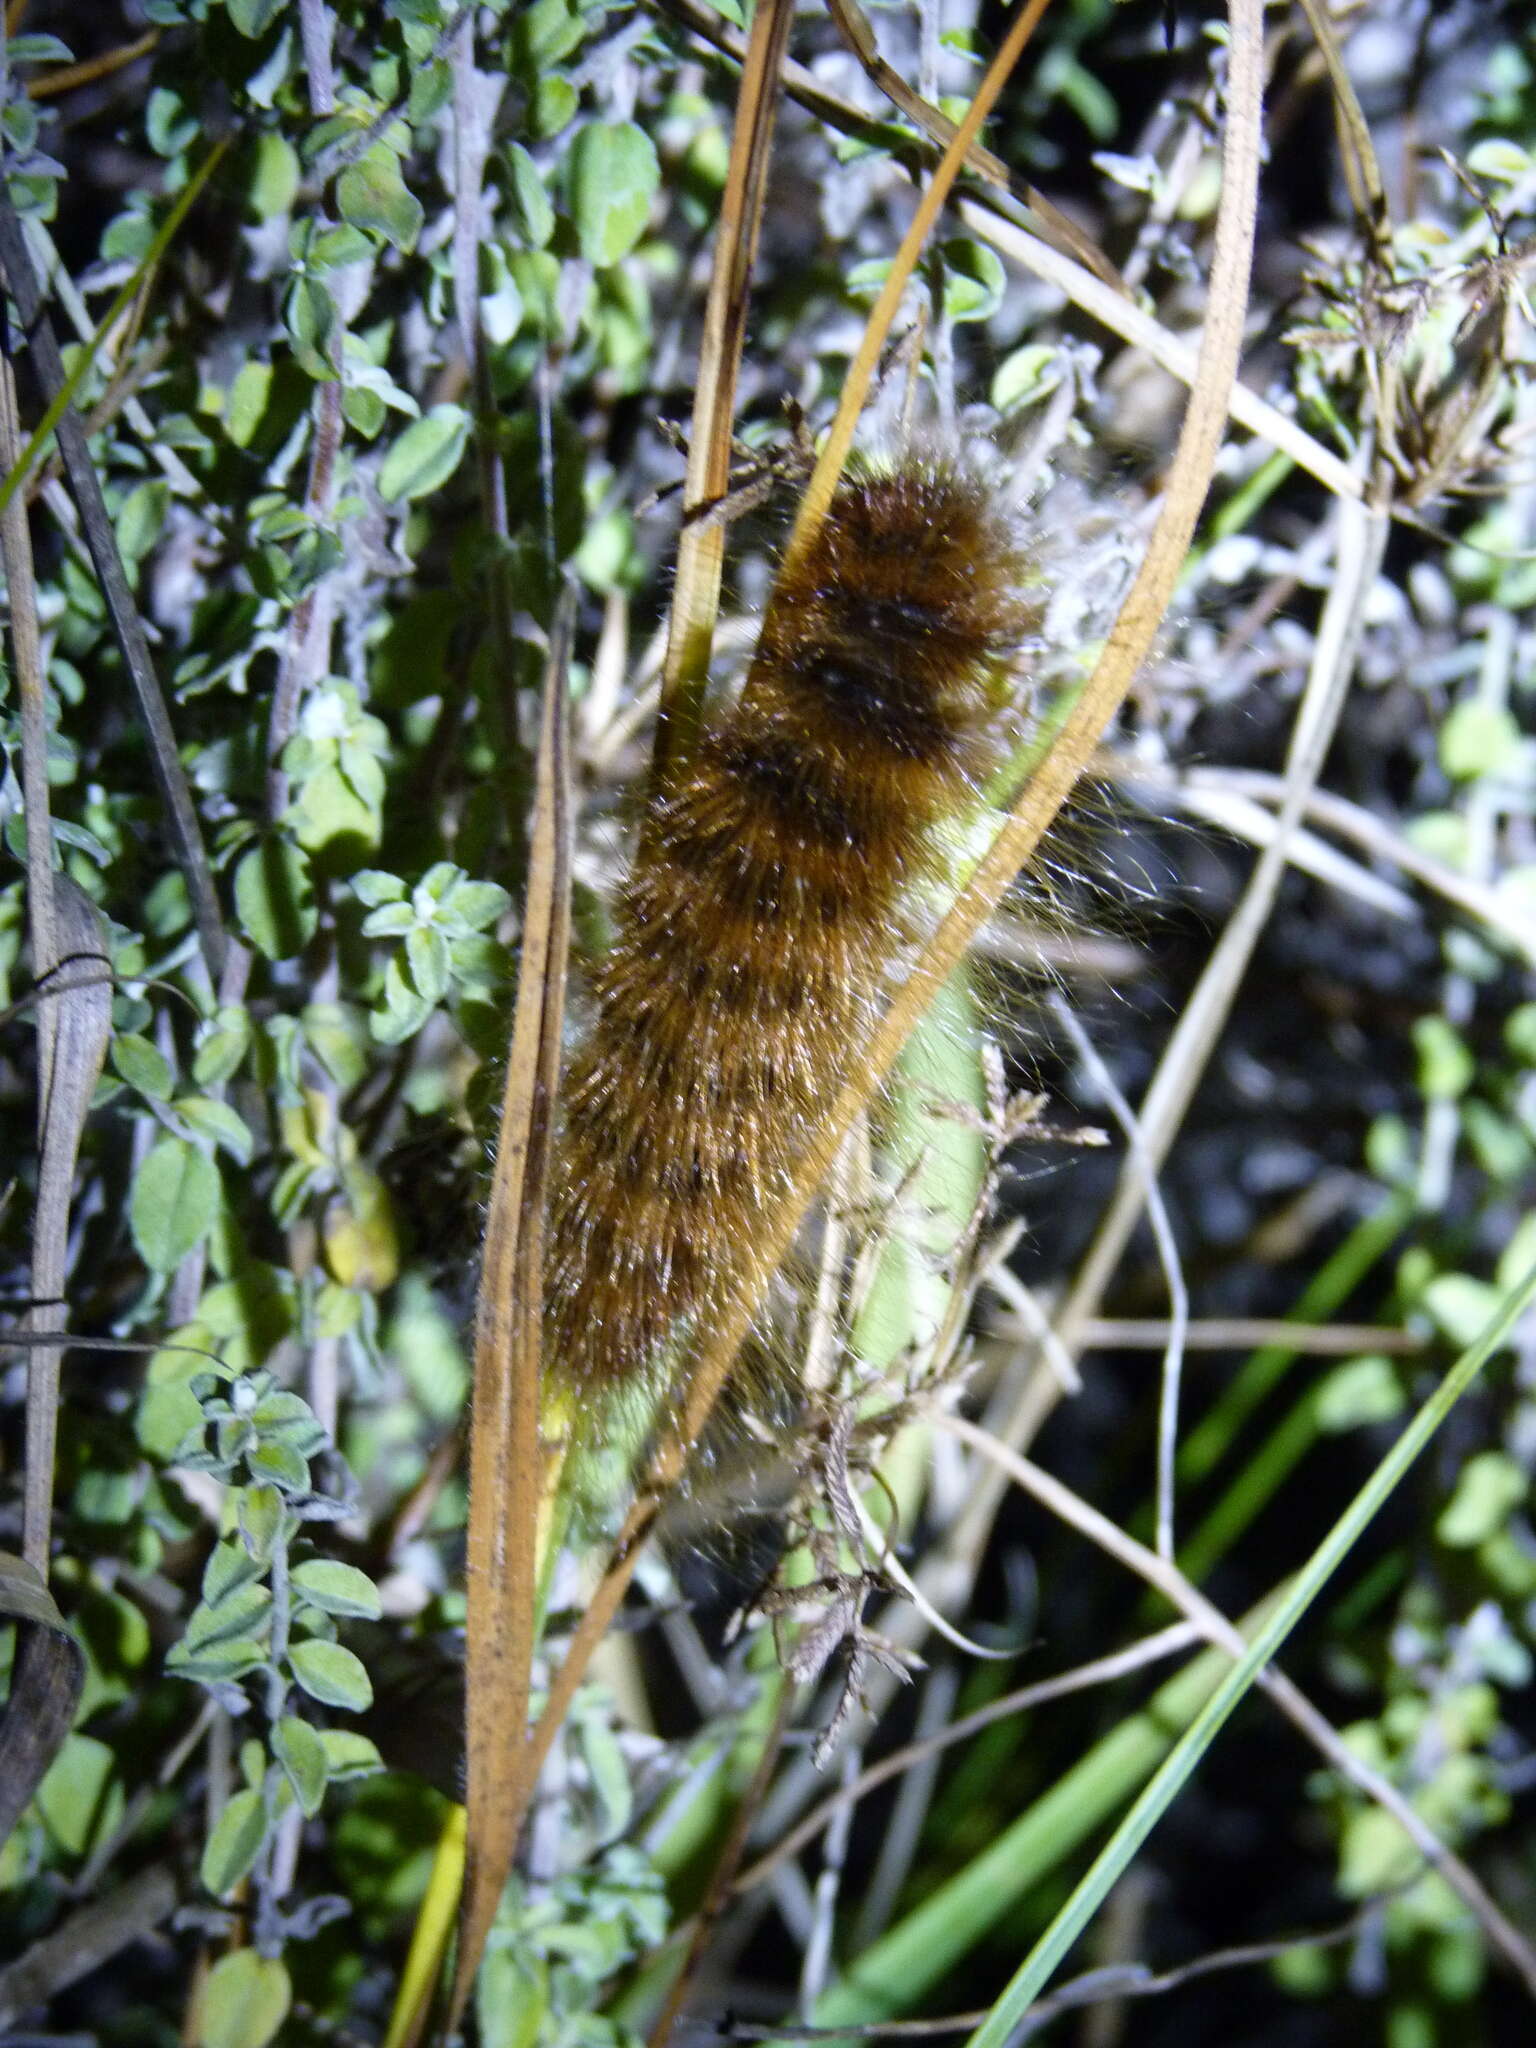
x,y
760,924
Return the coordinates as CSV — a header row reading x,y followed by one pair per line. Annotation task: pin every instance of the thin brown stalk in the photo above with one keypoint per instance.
x,y
48,85
1248,1333
834,454
701,546
506,1473
722,1884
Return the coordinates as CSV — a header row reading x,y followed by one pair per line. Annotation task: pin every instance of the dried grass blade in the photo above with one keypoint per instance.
x,y
74,1026
1357,152
506,1469
45,1687
834,454
75,1013
701,546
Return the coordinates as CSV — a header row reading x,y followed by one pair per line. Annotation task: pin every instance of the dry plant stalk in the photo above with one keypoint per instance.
x,y
507,1479
701,546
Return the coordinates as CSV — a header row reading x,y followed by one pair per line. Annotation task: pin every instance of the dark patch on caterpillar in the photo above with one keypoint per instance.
x,y
757,930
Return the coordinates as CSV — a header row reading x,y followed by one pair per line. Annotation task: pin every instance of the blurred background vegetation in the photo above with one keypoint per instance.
x,y
374,318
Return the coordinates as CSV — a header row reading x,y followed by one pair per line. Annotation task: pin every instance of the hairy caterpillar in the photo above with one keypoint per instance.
x,y
758,928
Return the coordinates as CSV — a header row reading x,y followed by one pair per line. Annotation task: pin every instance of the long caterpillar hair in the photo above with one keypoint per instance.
x,y
768,905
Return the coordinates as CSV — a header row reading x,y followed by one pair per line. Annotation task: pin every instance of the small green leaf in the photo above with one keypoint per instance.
x,y
282,1465
215,1663
247,402
1490,1488
217,1122
275,899
336,1588
974,280
373,887
260,1513
175,1196
272,180
254,17
474,905
553,107
301,1753
230,1566
348,1755
1446,1067
372,194
531,211
612,176
1462,1306
243,1612
427,952
330,1673
1498,158
426,454
235,1842
141,522
1479,739
244,2001
1026,376
1361,1391
142,1065
219,1055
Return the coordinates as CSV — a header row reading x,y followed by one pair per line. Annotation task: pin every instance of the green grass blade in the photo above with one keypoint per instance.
x,y
1040,1964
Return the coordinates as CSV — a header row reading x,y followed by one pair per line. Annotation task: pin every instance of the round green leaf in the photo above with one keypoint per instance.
x,y
1361,1391
175,1195
80,1798
236,1841
427,951
613,175
336,1588
1490,1488
1479,739
331,1674
244,2002
426,454
274,898
167,1417
973,286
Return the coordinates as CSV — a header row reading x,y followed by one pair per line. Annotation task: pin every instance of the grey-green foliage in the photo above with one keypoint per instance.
x,y
321,509
293,498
